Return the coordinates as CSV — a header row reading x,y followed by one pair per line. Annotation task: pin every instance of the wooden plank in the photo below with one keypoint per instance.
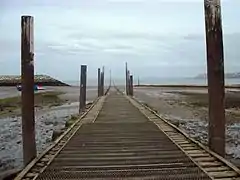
x,y
223,174
210,164
217,169
205,159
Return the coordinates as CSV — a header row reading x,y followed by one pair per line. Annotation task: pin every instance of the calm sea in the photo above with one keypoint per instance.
x,y
162,81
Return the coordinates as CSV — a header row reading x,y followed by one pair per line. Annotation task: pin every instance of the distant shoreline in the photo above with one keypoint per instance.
x,y
42,80
184,86
235,75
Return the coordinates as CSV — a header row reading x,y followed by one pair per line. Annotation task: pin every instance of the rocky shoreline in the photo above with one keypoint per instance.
x,y
42,80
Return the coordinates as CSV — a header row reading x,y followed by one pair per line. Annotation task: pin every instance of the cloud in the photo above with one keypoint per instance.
x,y
167,36
61,3
129,43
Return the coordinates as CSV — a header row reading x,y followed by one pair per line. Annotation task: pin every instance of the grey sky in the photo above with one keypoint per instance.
x,y
166,37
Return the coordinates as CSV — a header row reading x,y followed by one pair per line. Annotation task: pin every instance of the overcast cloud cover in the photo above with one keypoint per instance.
x,y
167,37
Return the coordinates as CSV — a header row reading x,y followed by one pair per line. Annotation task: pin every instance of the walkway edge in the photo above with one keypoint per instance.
x,y
34,161
132,100
224,161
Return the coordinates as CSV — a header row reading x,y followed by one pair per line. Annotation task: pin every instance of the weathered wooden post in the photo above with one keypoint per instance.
x,y
83,86
27,79
126,71
102,81
101,88
99,82
215,69
131,85
128,80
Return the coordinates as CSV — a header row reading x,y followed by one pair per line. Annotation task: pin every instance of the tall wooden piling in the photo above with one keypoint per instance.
x,y
215,69
127,83
27,81
131,85
102,81
83,86
99,82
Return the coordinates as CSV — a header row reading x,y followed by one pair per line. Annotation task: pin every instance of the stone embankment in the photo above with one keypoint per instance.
x,y
42,80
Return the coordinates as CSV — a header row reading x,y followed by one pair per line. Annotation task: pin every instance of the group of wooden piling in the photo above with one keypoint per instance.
x,y
83,86
129,82
100,82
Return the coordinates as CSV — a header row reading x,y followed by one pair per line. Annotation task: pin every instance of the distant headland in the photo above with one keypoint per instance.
x,y
43,80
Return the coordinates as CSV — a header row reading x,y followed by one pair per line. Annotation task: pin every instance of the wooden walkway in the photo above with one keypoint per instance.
x,y
121,139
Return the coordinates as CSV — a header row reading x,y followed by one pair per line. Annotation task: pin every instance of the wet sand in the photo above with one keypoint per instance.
x,y
72,92
6,92
47,120
178,106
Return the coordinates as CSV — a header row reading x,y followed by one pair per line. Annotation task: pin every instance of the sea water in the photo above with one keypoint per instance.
x,y
157,81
